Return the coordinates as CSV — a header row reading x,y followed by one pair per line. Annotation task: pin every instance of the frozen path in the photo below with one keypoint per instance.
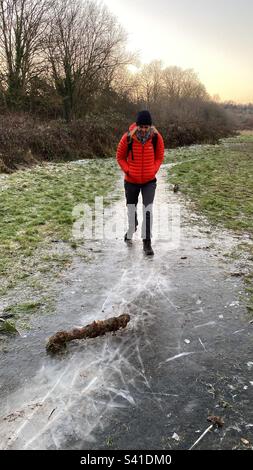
x,y
186,353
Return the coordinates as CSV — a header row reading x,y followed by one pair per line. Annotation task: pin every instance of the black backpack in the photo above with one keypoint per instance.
x,y
130,143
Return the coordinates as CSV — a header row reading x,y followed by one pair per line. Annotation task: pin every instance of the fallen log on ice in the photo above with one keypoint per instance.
x,y
98,328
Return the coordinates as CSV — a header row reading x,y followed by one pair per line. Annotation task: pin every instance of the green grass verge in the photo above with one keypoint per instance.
x,y
219,180
36,207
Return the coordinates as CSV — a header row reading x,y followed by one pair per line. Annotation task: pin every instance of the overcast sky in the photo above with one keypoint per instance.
x,y
213,37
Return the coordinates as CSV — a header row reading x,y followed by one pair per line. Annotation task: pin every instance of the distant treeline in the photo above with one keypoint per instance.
x,y
241,114
66,90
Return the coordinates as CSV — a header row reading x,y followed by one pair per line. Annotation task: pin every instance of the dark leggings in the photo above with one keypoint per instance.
x,y
132,191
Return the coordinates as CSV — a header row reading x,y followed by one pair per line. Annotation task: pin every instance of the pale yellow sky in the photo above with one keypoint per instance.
x,y
212,37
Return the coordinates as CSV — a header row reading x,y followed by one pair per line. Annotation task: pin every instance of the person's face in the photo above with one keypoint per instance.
x,y
143,129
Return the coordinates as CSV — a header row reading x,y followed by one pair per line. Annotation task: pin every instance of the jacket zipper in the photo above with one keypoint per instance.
x,y
142,163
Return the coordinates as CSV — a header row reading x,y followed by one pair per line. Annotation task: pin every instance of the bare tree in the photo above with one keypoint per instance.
x,y
126,84
150,83
179,83
85,47
22,28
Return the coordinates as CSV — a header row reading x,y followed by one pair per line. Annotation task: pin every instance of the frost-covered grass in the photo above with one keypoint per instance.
x,y
219,180
36,209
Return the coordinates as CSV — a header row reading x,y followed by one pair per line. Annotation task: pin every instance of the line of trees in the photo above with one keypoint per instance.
x,y
57,54
65,63
179,102
242,114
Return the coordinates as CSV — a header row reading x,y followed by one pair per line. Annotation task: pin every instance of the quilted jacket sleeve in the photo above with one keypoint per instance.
x,y
159,153
121,154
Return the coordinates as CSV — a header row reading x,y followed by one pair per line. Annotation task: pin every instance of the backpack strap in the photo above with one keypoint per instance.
x,y
154,140
130,144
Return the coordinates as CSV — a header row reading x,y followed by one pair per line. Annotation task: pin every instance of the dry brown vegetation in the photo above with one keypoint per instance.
x,y
66,91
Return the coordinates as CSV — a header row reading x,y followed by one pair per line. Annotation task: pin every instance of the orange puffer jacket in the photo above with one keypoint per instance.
x,y
145,162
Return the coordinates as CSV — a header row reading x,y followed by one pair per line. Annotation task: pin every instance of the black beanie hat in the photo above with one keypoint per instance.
x,y
144,118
